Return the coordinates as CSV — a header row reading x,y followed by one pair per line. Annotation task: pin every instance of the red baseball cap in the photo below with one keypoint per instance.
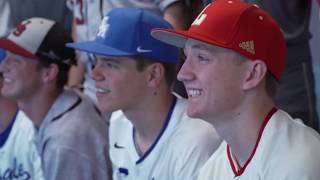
x,y
235,25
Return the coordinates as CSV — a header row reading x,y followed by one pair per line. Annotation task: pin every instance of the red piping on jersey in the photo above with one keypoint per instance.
x,y
241,169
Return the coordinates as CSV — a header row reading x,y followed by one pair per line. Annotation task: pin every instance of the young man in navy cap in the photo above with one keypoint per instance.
x,y
235,56
18,155
71,136
151,137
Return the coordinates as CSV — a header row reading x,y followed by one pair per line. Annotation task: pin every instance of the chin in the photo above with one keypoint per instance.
x,y
8,95
193,113
196,113
105,108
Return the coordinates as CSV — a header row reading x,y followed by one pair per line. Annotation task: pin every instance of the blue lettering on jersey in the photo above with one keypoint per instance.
x,y
124,171
16,172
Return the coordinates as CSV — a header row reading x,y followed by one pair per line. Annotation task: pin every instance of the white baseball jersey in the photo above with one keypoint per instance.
x,y
88,15
181,148
19,158
285,150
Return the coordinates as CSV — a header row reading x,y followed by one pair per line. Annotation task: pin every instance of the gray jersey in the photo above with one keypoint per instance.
x,y
72,141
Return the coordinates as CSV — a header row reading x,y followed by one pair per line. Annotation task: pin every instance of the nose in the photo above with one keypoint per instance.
x,y
185,74
96,73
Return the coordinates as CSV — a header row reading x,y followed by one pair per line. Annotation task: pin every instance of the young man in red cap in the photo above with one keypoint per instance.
x,y
71,136
151,137
235,56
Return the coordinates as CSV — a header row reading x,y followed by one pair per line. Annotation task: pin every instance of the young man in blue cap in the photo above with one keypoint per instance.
x,y
18,155
235,56
87,16
151,137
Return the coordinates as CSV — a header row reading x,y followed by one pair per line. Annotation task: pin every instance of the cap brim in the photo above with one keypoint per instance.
x,y
14,48
179,38
173,37
98,48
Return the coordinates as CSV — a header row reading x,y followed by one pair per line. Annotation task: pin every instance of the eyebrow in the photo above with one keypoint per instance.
x,y
210,48
201,46
103,58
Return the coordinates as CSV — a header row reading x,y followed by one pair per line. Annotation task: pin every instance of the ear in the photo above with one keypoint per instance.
x,y
155,74
257,70
50,73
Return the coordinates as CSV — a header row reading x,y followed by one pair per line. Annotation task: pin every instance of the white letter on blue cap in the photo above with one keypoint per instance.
x,y
104,26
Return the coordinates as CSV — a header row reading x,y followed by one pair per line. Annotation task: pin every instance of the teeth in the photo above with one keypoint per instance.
x,y
194,92
102,90
7,80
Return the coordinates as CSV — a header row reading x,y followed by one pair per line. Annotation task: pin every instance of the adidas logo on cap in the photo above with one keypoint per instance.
x,y
248,46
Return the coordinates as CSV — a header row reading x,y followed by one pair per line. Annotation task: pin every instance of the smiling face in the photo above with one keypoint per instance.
x,y
21,77
119,84
213,79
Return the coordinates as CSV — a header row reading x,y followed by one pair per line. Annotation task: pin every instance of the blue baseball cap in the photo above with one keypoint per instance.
x,y
125,32
2,54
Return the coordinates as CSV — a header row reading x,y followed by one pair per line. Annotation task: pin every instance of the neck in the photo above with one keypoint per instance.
x,y
7,111
149,118
241,130
37,107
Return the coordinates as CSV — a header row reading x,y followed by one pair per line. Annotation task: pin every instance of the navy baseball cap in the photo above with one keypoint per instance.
x,y
125,32
2,54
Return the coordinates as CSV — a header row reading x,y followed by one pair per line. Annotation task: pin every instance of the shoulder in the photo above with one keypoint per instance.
x,y
76,125
118,121
120,127
24,127
290,148
194,132
282,127
191,137
79,111
216,165
21,135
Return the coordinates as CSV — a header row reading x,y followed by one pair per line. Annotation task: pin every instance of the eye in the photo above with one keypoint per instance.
x,y
202,58
108,64
15,59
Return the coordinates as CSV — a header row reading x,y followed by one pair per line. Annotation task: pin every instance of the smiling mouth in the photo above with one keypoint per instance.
x,y
194,92
7,80
99,90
